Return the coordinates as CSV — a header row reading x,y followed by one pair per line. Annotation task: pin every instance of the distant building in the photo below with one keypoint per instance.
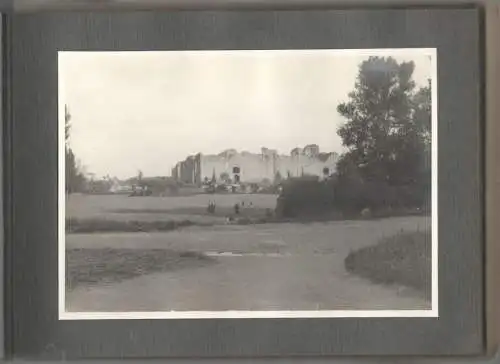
x,y
118,186
264,167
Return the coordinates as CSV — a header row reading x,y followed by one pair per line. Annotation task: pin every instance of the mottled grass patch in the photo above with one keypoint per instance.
x,y
103,266
403,259
96,225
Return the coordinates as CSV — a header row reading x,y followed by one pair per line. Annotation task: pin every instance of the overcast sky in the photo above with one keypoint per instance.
x,y
147,110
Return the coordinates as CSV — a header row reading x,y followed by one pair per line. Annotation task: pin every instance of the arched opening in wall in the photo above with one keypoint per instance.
x,y
236,174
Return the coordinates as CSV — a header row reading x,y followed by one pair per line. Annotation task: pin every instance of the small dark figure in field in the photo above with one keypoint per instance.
x,y
236,208
211,207
269,213
243,203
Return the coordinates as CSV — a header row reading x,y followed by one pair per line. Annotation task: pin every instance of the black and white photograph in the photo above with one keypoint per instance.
x,y
248,184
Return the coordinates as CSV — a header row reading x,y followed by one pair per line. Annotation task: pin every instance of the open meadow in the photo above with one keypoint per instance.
x,y
193,208
212,265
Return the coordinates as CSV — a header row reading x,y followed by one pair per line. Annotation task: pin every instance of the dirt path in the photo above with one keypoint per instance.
x,y
271,267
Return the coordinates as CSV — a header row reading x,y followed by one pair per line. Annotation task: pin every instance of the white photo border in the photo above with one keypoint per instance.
x,y
433,312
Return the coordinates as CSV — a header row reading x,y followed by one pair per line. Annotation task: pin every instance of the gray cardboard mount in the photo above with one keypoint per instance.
x,y
1,202
492,27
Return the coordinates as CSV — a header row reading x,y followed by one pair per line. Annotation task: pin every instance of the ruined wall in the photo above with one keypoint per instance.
x,y
187,170
212,164
253,167
309,165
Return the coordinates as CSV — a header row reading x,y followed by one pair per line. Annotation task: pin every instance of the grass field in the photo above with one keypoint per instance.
x,y
404,258
101,266
181,236
257,267
153,209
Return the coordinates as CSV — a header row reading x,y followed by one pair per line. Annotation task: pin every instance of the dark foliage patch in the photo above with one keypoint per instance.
x,y
101,266
403,259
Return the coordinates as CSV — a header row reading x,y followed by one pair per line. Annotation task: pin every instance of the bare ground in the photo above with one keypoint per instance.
x,y
262,267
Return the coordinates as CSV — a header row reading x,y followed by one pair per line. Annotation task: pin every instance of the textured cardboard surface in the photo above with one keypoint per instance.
x,y
492,137
2,118
492,146
37,37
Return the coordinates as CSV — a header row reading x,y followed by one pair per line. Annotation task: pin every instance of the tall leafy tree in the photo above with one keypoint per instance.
x,y
387,128
423,111
74,178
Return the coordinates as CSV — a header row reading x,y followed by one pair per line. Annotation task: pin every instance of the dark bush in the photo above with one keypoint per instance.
x,y
310,197
76,226
403,259
353,196
305,197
